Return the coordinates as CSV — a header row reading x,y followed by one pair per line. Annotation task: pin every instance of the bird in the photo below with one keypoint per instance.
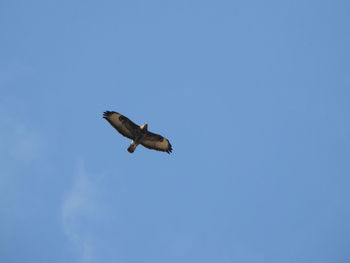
x,y
138,134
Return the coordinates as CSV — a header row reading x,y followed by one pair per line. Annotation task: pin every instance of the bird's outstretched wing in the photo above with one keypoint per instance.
x,y
156,142
122,124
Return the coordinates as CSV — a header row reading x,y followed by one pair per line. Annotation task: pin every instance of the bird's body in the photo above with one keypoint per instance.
x,y
141,133
138,134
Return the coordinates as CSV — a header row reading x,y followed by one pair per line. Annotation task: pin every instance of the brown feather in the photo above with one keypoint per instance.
x,y
122,124
156,142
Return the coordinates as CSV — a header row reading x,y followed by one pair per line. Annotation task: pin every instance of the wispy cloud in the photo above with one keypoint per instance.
x,y
14,70
80,207
20,142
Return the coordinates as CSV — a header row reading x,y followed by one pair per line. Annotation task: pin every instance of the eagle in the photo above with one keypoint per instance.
x,y
138,134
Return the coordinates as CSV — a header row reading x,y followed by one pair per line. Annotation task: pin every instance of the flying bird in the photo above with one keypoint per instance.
x,y
138,134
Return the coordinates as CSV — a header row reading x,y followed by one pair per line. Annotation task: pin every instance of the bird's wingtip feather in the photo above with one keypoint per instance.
x,y
108,113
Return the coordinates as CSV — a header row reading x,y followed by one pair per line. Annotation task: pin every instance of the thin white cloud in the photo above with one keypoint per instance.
x,y
20,142
79,208
26,145
14,70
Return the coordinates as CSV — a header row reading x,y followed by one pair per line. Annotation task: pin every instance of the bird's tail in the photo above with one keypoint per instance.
x,y
132,147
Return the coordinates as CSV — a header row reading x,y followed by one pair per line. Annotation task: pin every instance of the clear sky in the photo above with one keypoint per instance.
x,y
253,95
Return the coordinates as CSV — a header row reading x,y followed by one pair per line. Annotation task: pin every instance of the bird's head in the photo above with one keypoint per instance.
x,y
144,127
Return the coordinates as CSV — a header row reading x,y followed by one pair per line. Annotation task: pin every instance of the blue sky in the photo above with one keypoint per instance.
x,y
253,95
